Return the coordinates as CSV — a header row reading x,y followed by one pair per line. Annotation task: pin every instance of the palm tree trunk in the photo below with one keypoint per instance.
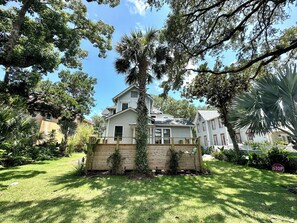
x,y
224,115
141,160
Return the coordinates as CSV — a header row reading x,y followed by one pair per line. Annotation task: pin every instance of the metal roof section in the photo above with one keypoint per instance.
x,y
209,114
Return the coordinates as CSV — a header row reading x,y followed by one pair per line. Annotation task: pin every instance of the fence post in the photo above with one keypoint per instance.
x,y
172,143
90,153
199,153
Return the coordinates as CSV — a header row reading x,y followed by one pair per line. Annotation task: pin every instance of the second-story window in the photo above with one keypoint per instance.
x,y
124,106
134,94
220,123
203,126
213,124
198,128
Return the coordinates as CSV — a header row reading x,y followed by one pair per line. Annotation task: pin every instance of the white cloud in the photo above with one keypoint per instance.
x,y
137,7
140,27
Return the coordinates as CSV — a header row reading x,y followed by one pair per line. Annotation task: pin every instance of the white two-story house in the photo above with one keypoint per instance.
x,y
212,132
121,119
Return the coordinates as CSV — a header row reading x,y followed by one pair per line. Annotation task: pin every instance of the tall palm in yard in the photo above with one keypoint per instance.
x,y
141,58
270,104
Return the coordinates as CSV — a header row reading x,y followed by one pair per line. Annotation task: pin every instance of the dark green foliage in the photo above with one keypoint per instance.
x,y
175,157
207,150
257,160
251,30
277,155
115,160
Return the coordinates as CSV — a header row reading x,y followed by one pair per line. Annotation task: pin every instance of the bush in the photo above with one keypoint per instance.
x,y
77,142
174,161
257,160
218,153
207,150
276,155
80,168
115,160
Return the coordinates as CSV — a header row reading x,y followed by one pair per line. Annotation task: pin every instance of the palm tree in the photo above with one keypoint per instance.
x,y
141,58
270,104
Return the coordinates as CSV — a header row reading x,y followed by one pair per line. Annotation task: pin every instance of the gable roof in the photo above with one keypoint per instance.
x,y
121,112
208,114
173,122
126,90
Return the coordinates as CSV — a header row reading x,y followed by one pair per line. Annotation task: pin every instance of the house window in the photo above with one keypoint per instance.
x,y
118,132
238,138
199,117
220,123
215,140
205,140
134,94
203,126
213,124
162,136
223,139
124,106
198,128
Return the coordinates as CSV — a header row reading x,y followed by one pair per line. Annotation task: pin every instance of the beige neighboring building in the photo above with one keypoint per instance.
x,y
47,124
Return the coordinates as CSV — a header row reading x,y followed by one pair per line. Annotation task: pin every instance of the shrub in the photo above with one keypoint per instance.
x,y
78,141
207,150
174,161
257,160
115,161
277,155
218,153
80,168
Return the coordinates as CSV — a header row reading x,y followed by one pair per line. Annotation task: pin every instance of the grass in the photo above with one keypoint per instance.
x,y
50,192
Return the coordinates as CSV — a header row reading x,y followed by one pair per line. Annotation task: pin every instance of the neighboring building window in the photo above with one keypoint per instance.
x,y
162,136
220,123
203,126
198,128
118,132
215,140
238,138
205,140
223,139
124,106
134,94
213,124
199,117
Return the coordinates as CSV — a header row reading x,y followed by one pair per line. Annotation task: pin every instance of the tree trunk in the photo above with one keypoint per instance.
x,y
141,160
15,32
230,129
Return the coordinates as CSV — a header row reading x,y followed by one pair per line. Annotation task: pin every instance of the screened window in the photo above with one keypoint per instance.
x,y
220,123
223,140
134,94
118,132
124,106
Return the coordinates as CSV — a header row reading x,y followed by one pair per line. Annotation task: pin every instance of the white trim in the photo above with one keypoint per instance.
x,y
121,112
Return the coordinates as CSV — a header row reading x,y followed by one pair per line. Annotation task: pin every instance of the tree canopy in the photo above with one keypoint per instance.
x,y
252,30
41,35
176,108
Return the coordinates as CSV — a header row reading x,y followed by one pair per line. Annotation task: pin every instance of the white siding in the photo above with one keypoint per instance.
x,y
124,120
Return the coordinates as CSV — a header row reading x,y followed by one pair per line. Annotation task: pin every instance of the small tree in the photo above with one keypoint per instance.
x,y
218,91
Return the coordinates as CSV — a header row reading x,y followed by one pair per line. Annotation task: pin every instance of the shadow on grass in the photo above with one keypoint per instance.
x,y
232,192
13,174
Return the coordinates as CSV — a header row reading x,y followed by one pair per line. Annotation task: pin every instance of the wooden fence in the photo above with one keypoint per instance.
x,y
158,156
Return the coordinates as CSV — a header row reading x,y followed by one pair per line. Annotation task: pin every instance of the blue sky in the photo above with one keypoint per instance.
x,y
129,16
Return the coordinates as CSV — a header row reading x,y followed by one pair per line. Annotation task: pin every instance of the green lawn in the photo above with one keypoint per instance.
x,y
49,192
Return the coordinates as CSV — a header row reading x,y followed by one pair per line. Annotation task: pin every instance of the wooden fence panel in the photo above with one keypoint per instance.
x,y
158,156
